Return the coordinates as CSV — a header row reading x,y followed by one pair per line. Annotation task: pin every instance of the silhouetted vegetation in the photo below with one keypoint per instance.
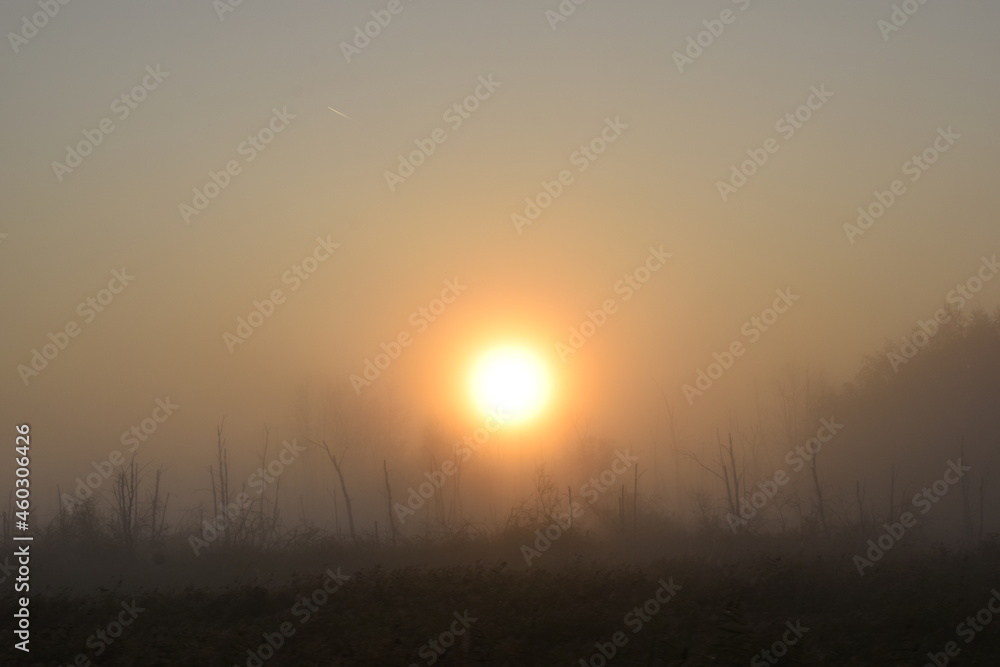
x,y
794,558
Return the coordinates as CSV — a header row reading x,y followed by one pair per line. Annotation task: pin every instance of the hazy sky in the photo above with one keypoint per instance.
x,y
610,67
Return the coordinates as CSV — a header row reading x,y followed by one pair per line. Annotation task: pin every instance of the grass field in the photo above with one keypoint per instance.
x,y
720,607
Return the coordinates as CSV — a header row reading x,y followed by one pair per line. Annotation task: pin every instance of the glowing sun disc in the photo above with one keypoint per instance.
x,y
512,382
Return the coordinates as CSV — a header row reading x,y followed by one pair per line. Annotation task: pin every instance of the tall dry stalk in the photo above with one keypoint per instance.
x,y
338,466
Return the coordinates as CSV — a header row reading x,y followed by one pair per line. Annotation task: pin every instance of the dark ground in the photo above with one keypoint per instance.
x,y
561,612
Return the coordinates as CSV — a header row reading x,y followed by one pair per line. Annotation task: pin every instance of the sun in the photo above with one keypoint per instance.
x,y
511,381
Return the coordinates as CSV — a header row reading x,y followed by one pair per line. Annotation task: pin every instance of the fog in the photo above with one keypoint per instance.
x,y
678,135
727,231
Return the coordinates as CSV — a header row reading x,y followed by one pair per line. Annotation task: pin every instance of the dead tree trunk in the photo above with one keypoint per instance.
x,y
343,485
729,475
126,497
220,480
388,491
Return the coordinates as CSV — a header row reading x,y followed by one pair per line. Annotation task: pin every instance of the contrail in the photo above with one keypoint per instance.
x,y
342,114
